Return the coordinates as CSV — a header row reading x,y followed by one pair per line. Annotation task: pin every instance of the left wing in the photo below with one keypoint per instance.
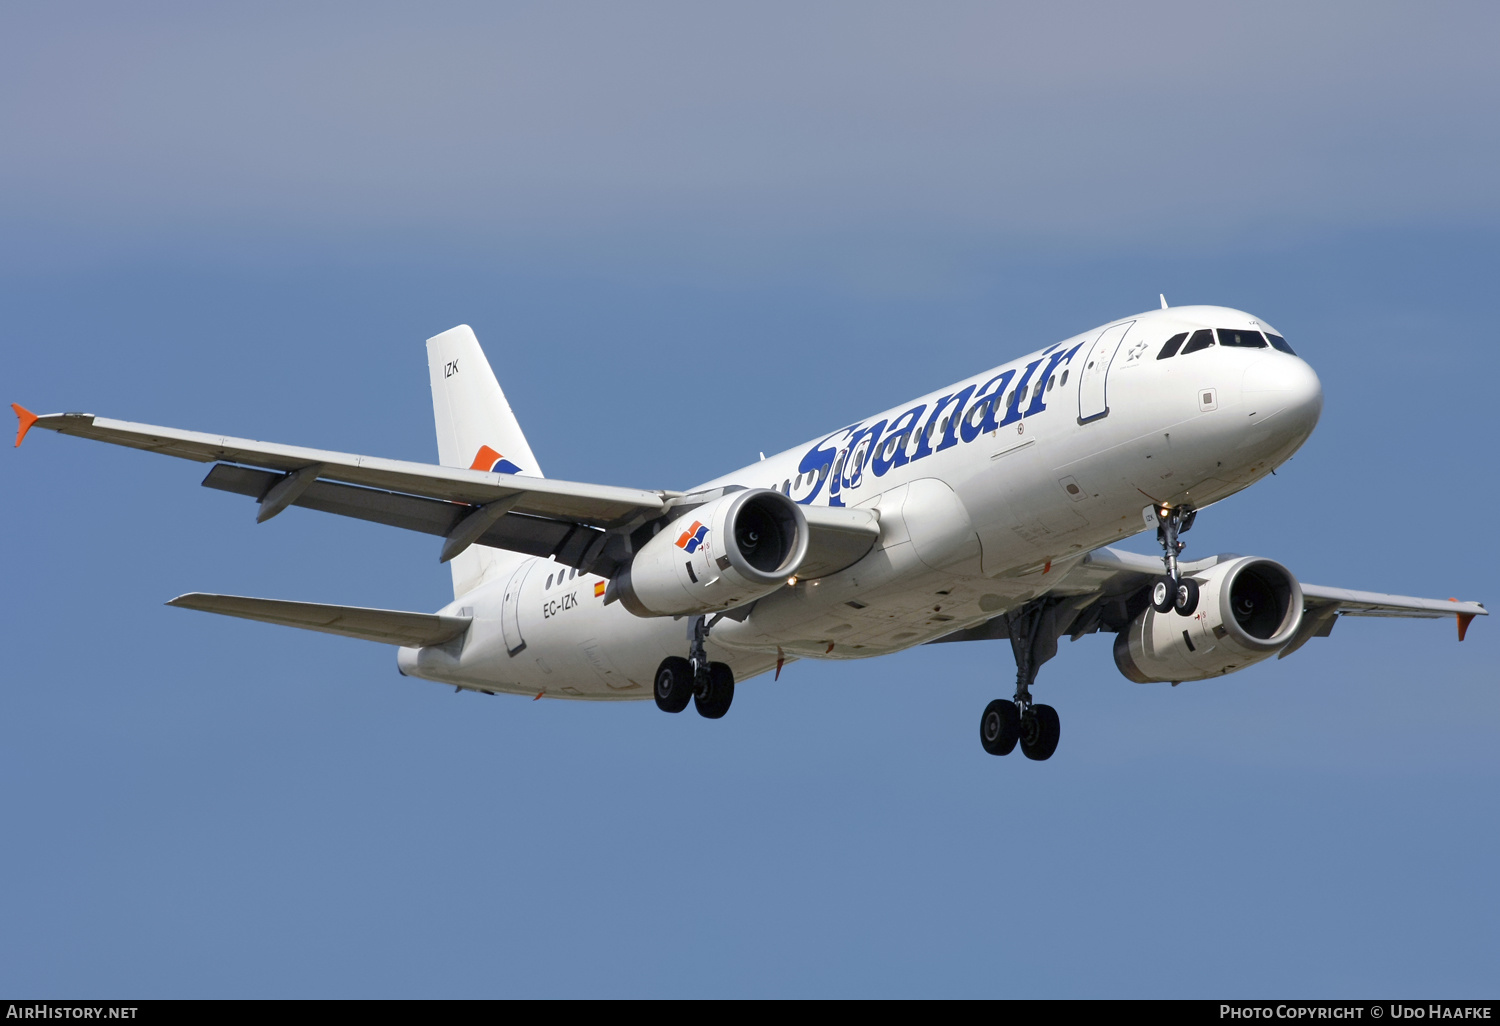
x,y
579,524
582,525
596,505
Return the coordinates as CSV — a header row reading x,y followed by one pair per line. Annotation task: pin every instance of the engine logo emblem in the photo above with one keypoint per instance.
x,y
692,537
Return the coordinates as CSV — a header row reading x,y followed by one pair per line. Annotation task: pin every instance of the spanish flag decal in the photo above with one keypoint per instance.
x,y
598,589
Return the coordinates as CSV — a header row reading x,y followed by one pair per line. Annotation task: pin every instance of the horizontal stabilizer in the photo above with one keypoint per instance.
x,y
388,626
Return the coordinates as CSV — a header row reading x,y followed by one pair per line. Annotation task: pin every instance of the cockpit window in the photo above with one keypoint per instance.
x,y
1201,339
1241,339
1280,343
1170,349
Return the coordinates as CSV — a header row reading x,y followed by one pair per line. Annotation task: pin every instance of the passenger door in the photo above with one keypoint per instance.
x,y
510,609
1093,379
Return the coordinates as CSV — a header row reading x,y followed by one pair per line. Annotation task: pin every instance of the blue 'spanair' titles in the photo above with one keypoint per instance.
x,y
839,460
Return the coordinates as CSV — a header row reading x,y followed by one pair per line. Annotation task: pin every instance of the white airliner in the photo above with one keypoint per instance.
x,y
976,511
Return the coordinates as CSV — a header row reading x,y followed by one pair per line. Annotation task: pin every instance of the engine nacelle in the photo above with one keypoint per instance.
x,y
723,554
1248,609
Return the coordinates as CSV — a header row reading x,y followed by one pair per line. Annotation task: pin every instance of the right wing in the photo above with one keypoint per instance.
x,y
1106,589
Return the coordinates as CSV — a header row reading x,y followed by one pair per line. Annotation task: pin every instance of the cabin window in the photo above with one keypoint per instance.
x,y
1201,339
1064,380
1238,339
944,426
786,487
549,582
1170,349
1277,342
1051,381
823,473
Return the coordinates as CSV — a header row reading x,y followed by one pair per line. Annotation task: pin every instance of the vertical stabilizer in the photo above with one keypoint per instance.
x,y
475,429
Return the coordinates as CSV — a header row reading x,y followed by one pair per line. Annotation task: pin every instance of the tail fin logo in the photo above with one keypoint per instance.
x,y
692,538
490,460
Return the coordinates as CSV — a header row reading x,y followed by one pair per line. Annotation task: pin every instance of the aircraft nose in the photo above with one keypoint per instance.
x,y
1289,386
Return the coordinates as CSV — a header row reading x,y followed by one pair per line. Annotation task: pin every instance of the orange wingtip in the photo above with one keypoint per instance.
x,y
27,418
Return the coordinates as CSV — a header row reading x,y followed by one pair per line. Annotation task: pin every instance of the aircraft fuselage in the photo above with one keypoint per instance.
x,y
987,490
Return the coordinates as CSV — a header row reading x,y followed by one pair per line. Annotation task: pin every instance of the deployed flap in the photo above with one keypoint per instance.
x,y
569,543
387,626
599,505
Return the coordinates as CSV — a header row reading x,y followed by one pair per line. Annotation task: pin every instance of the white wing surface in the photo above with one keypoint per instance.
x,y
1106,589
582,525
600,505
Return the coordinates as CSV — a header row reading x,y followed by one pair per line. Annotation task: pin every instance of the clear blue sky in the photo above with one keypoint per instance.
x,y
685,235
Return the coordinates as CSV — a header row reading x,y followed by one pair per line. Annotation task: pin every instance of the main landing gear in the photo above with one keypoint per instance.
x,y
709,686
1036,728
1171,590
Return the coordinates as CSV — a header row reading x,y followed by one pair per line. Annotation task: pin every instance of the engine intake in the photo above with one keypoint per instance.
x,y
722,554
1248,609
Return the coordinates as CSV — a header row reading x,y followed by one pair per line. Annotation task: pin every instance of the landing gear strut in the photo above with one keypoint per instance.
x,y
1034,629
710,686
1171,590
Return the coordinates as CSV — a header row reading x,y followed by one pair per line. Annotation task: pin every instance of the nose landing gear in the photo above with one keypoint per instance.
x,y
709,686
1171,590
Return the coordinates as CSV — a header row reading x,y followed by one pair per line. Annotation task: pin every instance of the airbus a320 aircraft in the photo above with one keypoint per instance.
x,y
977,511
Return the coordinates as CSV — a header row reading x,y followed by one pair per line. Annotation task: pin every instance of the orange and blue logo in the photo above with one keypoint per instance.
x,y
489,459
692,537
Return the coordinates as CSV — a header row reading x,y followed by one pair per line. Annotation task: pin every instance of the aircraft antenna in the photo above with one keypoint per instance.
x,y
1163,299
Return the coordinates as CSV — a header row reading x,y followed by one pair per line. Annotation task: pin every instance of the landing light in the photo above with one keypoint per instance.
x,y
791,581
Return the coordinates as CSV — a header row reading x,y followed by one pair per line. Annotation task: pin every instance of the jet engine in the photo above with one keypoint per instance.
x,y
1248,609
722,554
